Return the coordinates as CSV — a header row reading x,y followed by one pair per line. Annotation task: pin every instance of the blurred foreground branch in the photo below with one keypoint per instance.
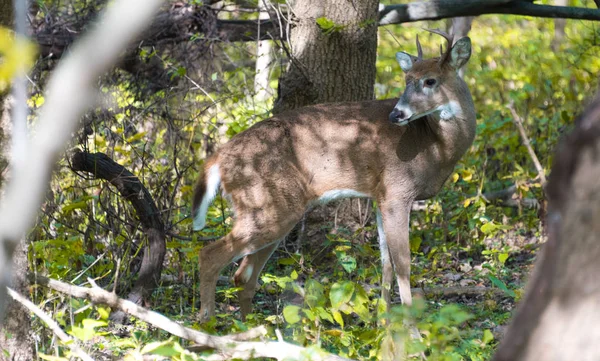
x,y
69,93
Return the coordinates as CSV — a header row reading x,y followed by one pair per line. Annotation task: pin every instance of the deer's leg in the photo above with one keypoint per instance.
x,y
247,275
395,221
387,270
251,233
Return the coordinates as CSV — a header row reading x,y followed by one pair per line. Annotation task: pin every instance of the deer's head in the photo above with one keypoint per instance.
x,y
432,85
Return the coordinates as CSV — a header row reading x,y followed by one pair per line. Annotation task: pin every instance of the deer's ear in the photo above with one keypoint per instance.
x,y
460,53
405,60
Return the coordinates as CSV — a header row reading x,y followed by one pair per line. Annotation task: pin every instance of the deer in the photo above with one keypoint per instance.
x,y
394,151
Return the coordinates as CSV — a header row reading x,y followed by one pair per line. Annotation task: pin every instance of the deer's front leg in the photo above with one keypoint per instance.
x,y
387,271
395,221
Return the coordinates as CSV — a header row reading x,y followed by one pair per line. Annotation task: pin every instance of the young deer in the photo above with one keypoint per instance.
x,y
273,171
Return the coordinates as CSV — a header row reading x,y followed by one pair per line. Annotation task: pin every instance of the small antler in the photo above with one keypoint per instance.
x,y
419,50
449,38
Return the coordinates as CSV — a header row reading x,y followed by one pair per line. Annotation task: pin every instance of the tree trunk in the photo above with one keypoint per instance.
x,y
16,343
558,319
262,89
333,50
559,27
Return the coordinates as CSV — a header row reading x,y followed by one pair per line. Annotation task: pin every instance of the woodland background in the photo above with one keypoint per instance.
x,y
201,74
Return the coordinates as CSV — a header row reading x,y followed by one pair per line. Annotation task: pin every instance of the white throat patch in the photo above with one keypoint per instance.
x,y
450,110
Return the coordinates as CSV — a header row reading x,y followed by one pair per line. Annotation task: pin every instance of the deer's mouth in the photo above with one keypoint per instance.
x,y
398,117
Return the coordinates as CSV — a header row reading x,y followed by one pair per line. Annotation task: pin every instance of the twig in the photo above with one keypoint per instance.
x,y
226,347
68,341
519,123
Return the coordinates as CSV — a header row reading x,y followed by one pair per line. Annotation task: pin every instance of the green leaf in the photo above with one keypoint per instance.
x,y
324,23
323,314
415,243
164,348
487,336
315,293
502,257
346,261
501,285
337,316
103,312
291,314
488,228
340,294
360,301
73,206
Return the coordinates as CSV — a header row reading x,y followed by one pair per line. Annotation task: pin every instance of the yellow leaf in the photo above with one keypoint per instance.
x,y
455,177
334,332
467,175
467,202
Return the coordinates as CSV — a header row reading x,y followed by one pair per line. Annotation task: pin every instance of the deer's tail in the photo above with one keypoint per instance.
x,y
205,191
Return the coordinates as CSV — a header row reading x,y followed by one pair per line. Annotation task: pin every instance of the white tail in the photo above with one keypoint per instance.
x,y
395,151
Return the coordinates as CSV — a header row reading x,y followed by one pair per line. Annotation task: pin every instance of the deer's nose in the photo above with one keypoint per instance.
x,y
399,115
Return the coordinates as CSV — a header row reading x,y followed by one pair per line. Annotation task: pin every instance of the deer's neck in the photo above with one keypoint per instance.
x,y
441,139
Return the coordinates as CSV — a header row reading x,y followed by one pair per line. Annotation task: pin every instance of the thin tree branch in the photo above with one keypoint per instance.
x,y
70,91
440,9
536,162
131,188
227,347
68,341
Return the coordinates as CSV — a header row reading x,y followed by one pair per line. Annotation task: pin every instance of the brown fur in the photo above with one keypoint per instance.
x,y
273,171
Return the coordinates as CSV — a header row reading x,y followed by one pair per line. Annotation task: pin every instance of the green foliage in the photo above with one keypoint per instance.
x,y
329,27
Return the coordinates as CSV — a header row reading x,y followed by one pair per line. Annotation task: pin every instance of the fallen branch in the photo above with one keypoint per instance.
x,y
227,347
68,341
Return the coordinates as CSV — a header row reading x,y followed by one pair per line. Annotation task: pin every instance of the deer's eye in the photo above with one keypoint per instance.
x,y
430,82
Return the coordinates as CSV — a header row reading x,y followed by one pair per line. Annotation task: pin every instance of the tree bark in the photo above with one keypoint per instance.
x,y
559,27
262,89
330,63
558,319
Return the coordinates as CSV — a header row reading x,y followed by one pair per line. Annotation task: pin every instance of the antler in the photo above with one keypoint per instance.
x,y
449,38
419,50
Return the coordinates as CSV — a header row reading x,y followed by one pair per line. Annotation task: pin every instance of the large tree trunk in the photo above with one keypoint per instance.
x,y
330,63
558,319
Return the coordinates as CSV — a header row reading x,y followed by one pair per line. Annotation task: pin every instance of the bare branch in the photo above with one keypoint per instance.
x,y
68,341
227,347
440,9
132,189
519,123
70,92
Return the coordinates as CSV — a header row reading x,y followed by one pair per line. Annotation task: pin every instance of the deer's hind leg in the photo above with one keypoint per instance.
x,y
256,230
247,275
